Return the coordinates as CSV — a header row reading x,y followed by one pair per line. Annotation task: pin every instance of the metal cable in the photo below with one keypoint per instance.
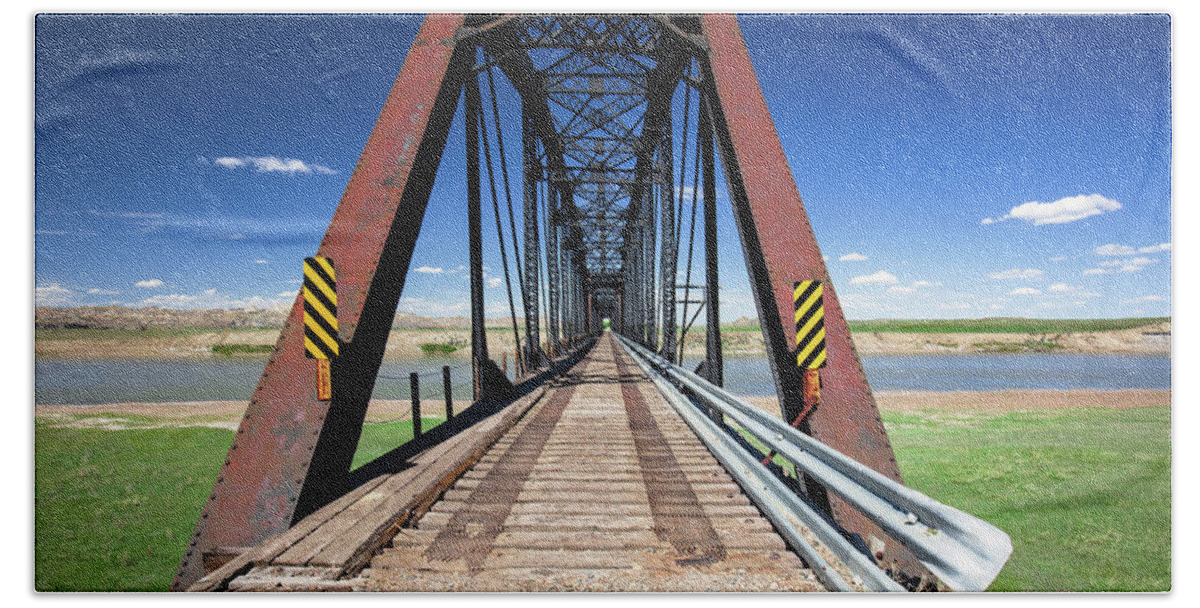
x,y
512,222
487,151
687,284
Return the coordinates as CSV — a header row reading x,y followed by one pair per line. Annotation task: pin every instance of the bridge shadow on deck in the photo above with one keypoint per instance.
x,y
400,458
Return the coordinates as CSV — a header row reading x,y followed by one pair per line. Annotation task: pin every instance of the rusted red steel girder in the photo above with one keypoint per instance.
x,y
292,451
780,249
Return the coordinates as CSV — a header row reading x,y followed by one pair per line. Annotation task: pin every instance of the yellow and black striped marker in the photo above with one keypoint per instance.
x,y
320,320
810,324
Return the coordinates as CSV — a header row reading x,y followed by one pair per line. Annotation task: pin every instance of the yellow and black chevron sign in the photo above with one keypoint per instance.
x,y
320,309
810,324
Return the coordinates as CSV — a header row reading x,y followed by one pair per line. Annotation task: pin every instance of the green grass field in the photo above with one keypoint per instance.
x,y
1085,494
113,510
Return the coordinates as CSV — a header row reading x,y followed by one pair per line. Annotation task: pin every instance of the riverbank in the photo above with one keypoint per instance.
x,y
196,343
228,414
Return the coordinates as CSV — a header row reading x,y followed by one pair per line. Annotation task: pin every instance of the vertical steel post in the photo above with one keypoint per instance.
x,y
414,388
668,249
472,108
553,278
649,244
714,359
532,173
447,393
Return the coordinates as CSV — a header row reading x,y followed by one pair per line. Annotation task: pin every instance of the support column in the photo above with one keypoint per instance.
x,y
649,242
553,275
471,111
669,251
714,360
532,174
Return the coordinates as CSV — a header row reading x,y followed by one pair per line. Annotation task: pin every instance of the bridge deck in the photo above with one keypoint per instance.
x,y
598,486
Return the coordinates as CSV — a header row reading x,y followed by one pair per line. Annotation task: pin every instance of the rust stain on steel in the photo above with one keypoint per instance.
x,y
678,516
848,419
473,529
255,494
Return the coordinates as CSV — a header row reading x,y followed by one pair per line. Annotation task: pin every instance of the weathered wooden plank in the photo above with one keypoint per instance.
x,y
587,485
268,550
597,540
302,552
354,548
628,509
436,521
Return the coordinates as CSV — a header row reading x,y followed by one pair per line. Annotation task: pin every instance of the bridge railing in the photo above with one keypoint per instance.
x,y
963,551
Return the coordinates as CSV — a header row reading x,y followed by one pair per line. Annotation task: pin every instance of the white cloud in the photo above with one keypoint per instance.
x,y
268,164
1126,265
286,294
882,277
853,257
898,289
149,283
1016,273
1059,258
925,284
1115,249
987,220
48,295
211,298
1155,248
1060,287
1061,211
1075,304
428,270
1147,299
96,291
494,282
432,308
1024,291
260,261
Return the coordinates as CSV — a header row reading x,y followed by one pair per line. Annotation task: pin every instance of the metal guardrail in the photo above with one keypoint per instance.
x,y
963,551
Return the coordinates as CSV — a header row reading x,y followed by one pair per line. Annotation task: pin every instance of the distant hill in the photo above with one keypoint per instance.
x,y
153,317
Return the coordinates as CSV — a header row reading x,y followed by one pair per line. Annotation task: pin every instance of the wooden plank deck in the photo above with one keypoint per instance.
x,y
594,483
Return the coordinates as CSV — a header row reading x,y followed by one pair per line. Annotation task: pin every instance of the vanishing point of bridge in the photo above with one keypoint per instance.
x,y
592,144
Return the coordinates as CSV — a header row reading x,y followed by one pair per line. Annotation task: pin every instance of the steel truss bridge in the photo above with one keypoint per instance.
x,y
603,464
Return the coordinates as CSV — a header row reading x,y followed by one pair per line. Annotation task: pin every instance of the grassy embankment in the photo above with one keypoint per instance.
x,y
114,509
1085,494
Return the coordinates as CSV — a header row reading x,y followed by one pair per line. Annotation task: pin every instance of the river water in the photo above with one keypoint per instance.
x,y
126,380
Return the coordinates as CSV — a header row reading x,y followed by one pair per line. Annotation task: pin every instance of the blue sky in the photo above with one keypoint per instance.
x,y
952,166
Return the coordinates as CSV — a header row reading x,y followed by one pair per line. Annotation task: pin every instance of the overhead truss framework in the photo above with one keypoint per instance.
x,y
605,155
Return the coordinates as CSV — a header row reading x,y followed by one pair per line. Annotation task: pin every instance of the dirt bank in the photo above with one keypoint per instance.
x,y
408,343
217,414
198,344
1003,401
227,414
1149,339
